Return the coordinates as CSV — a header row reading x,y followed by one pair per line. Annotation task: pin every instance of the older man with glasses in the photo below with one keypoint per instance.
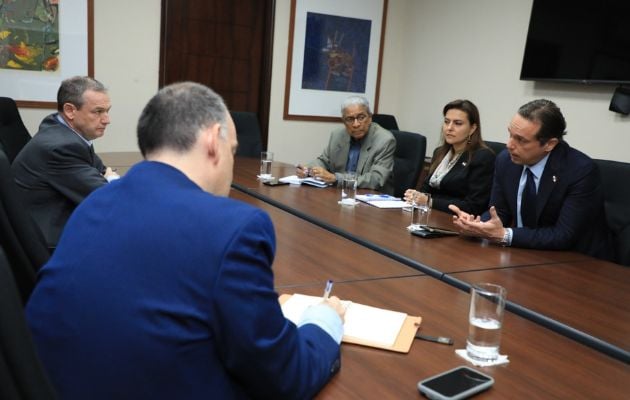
x,y
361,146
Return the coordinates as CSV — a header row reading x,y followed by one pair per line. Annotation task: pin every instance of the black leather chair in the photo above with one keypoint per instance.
x,y
386,121
21,238
497,147
615,181
13,133
22,375
408,160
247,133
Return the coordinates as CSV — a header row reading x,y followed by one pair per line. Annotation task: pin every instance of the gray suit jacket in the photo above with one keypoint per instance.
x,y
376,160
55,171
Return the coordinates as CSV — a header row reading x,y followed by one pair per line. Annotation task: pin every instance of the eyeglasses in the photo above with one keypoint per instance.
x,y
360,118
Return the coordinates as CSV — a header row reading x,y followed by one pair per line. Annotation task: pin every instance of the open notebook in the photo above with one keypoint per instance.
x,y
364,325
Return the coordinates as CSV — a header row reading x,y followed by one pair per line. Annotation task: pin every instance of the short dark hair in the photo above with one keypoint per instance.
x,y
72,90
548,115
176,114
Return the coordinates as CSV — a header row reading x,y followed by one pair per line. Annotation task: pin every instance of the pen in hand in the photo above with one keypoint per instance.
x,y
329,286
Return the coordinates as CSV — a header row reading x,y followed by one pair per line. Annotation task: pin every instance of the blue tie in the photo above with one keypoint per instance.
x,y
528,201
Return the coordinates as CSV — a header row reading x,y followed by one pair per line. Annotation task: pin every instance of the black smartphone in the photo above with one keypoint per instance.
x,y
454,384
274,182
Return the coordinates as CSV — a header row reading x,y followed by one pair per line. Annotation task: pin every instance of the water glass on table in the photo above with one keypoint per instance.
x,y
420,210
349,189
487,306
266,159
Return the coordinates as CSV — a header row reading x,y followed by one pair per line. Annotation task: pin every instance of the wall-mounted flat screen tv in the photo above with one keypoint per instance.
x,y
585,41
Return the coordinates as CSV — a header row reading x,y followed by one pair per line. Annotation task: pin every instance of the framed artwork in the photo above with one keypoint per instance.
x,y
335,51
42,42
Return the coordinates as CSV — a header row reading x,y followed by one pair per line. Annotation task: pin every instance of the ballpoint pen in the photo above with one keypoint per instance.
x,y
329,286
436,339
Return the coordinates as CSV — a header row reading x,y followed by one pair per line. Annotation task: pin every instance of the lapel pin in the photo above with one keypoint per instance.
x,y
554,179
464,163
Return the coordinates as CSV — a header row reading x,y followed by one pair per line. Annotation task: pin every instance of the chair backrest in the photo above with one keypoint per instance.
x,y
247,133
13,133
386,121
497,147
21,238
408,160
615,182
22,375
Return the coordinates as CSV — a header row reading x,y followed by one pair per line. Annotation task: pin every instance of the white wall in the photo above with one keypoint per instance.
x,y
439,50
126,55
435,51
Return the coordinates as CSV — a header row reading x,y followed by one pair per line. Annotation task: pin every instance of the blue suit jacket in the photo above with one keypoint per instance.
x,y
569,205
159,290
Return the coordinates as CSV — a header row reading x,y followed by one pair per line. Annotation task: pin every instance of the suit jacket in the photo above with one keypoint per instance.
x,y
569,204
159,290
376,159
55,171
467,184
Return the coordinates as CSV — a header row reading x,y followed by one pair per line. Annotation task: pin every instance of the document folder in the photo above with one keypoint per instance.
x,y
403,337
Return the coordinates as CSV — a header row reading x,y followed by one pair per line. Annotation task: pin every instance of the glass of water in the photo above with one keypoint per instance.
x,y
349,189
266,159
420,210
487,305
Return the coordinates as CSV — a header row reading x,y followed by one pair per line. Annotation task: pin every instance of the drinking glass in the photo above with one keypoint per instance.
x,y
266,159
487,305
420,210
349,189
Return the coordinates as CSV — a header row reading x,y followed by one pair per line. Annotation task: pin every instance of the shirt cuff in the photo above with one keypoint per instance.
x,y
326,318
508,241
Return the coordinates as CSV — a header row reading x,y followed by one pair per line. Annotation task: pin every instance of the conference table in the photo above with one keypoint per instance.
x,y
375,261
541,362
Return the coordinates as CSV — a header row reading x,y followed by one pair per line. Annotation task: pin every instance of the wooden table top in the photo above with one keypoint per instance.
x,y
386,228
309,255
543,364
591,296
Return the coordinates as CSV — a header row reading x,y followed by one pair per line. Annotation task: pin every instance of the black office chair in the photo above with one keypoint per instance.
x,y
386,121
13,133
21,238
615,177
22,375
497,147
247,133
408,160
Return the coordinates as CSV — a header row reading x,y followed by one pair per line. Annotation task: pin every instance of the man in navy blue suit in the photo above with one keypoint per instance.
x,y
545,194
161,287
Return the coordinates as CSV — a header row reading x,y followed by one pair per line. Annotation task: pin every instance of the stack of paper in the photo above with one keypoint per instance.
x,y
294,180
363,324
382,200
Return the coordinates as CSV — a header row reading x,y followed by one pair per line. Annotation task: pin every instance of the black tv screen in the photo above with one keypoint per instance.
x,y
584,41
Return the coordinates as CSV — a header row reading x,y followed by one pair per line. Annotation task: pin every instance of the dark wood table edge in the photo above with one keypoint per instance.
x,y
540,319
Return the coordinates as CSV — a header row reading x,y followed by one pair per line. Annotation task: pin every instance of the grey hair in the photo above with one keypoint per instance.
x,y
356,101
72,89
174,117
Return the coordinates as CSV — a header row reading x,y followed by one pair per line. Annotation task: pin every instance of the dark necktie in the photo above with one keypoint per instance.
x,y
528,201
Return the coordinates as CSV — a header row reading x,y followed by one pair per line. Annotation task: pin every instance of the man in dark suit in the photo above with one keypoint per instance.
x,y
361,146
161,286
545,194
58,168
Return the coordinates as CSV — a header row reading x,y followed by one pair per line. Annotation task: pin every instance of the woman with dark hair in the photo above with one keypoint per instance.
x,y
462,167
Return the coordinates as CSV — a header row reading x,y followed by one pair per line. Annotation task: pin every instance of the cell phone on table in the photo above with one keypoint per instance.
x,y
457,383
275,182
